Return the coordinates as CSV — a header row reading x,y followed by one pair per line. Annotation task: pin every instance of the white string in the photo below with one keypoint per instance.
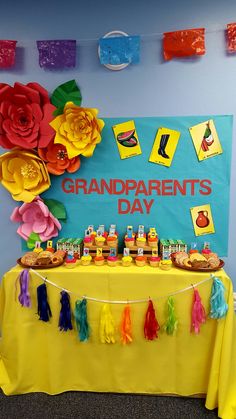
x,y
143,300
27,42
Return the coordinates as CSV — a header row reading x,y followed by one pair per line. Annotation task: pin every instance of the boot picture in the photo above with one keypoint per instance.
x,y
163,144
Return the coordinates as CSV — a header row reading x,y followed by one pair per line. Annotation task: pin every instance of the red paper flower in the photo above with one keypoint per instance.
x,y
57,161
25,114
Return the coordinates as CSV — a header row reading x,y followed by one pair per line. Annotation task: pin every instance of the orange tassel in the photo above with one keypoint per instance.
x,y
125,327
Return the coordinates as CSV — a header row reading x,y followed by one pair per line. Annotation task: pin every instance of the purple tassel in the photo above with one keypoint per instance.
x,y
24,297
65,313
44,310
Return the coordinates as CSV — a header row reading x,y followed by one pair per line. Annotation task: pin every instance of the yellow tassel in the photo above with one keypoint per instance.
x,y
125,327
107,327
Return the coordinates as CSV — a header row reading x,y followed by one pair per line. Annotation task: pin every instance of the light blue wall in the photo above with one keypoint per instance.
x,y
153,88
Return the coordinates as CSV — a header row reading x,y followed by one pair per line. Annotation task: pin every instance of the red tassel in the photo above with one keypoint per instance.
x,y
151,325
198,313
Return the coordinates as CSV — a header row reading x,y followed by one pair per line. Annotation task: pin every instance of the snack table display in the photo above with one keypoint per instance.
x,y
38,357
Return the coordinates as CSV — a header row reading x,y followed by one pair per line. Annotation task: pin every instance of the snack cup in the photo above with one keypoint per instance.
x,y
166,265
112,260
88,241
112,242
141,242
99,260
85,260
154,261
152,242
140,261
100,241
126,261
129,242
71,265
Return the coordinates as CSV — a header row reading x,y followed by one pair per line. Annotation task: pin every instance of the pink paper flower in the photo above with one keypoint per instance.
x,y
36,217
25,114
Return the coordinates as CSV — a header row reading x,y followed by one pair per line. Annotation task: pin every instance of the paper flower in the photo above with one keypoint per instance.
x,y
57,161
35,218
23,174
25,114
78,130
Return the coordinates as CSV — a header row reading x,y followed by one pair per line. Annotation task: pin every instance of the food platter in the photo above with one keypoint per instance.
x,y
189,268
49,266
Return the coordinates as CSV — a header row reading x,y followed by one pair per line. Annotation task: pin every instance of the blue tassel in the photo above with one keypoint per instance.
x,y
82,320
65,313
44,310
219,307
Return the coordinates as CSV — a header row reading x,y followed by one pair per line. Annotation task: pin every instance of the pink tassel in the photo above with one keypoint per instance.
x,y
198,313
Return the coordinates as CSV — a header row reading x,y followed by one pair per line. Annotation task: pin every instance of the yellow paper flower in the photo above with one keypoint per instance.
x,y
78,129
23,174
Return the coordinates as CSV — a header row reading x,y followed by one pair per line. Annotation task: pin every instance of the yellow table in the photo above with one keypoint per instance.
x,y
37,357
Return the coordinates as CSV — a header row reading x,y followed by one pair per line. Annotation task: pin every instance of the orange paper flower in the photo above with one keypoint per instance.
x,y
78,129
57,161
23,174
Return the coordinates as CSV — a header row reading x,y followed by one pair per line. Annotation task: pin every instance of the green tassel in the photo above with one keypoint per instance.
x,y
172,322
82,320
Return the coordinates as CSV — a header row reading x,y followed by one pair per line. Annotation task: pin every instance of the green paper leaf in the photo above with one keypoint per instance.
x,y
66,92
56,208
34,237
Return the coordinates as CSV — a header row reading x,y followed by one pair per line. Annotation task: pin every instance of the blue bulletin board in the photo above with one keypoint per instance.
x,y
108,190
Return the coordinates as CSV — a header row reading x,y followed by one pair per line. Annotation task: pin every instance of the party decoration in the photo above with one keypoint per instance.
x,y
107,326
32,240
82,320
25,114
56,208
65,313
44,310
202,220
172,322
205,139
36,218
24,296
66,92
78,129
164,146
219,307
116,50
127,139
198,313
151,325
57,161
23,174
7,53
125,328
231,37
184,43
55,54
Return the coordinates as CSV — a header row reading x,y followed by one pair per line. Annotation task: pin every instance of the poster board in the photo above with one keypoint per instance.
x,y
108,190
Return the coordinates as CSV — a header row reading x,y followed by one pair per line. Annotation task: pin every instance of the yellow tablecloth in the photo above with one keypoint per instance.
x,y
37,357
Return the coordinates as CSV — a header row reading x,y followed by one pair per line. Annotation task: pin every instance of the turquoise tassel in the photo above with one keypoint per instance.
x,y
172,322
82,320
219,307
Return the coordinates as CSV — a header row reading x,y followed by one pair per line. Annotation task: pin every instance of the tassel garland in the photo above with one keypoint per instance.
x,y
107,327
125,328
172,322
219,307
198,313
65,313
82,320
24,296
44,310
151,325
